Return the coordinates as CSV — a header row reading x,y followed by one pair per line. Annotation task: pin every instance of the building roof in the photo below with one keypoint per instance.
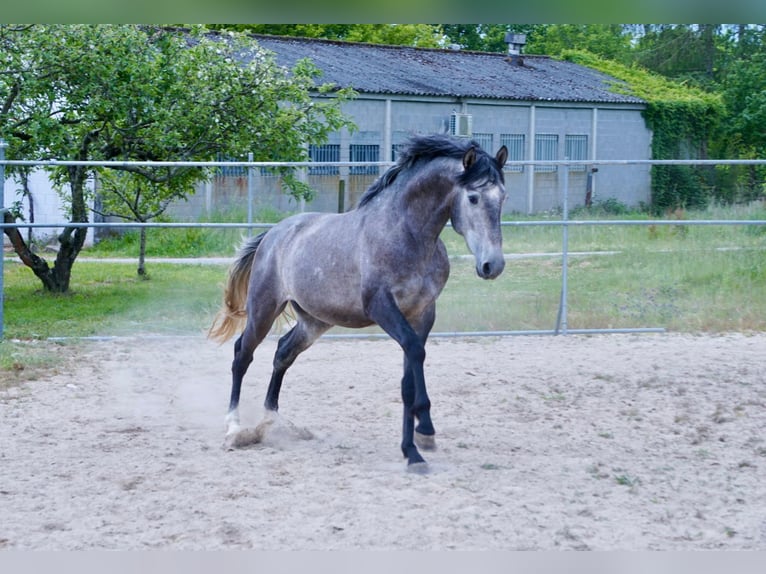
x,y
402,70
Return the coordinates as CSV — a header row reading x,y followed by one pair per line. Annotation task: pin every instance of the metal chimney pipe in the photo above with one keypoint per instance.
x,y
515,44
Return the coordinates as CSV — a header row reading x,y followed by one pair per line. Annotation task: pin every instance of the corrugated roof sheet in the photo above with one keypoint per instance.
x,y
401,70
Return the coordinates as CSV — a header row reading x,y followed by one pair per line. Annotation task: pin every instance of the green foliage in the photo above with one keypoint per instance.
x,y
608,41
602,208
487,37
683,52
185,241
109,299
170,242
128,92
682,119
422,35
744,92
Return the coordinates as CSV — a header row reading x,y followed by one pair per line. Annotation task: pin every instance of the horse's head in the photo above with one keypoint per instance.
x,y
477,207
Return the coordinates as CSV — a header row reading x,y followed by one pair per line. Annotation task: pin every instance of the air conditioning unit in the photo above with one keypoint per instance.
x,y
461,125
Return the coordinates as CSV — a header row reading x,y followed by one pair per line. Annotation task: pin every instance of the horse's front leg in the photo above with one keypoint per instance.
x,y
382,308
424,431
423,434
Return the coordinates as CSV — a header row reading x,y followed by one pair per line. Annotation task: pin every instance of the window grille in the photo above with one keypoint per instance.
x,y
576,148
364,152
485,141
229,171
546,149
327,152
515,145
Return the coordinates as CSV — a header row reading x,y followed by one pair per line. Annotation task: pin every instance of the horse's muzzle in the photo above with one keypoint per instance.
x,y
491,268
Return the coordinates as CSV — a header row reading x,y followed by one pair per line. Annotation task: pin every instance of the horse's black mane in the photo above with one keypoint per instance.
x,y
431,147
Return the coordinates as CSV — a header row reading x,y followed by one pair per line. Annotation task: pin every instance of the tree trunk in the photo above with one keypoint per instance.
x,y
38,265
71,240
142,253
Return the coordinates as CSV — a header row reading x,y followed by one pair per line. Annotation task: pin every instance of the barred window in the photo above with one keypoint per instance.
x,y
229,171
546,149
576,148
484,140
327,152
364,152
515,145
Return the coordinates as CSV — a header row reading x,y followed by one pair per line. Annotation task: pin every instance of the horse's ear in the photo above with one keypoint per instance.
x,y
469,158
501,157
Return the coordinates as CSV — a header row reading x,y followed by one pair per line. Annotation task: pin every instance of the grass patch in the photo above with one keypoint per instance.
x,y
184,242
21,362
110,299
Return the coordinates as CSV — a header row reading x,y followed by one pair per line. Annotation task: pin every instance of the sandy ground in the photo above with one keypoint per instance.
x,y
577,442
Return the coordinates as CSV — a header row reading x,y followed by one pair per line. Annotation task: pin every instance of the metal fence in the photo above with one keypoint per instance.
x,y
250,166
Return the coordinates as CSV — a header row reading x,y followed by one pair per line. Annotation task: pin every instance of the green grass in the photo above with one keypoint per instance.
x,y
184,241
683,278
110,299
105,300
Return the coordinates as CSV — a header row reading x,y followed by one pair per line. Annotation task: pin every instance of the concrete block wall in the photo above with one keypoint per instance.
x,y
47,205
620,134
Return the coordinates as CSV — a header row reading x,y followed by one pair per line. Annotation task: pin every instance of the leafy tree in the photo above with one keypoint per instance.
x,y
487,37
608,41
744,93
32,118
422,35
682,119
134,197
149,93
680,51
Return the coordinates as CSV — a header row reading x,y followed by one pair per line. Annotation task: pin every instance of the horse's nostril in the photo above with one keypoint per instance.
x,y
486,269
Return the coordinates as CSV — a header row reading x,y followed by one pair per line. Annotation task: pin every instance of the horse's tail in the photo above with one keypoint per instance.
x,y
233,311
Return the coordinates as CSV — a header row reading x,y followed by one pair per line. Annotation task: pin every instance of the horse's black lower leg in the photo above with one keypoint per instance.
x,y
383,310
238,369
409,450
239,366
421,410
244,347
424,431
297,340
283,358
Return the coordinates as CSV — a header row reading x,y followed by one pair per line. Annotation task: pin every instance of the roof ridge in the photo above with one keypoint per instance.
x,y
388,46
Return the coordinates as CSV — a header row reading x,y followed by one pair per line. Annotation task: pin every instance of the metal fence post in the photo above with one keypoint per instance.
x,y
561,322
250,195
3,145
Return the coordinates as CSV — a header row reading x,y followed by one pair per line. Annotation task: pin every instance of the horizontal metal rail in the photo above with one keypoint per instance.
x,y
531,332
243,225
508,164
564,222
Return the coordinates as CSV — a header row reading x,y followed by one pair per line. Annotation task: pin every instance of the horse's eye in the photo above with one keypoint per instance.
x,y
473,198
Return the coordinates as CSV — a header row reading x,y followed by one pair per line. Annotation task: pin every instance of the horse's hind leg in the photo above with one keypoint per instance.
x,y
258,326
298,339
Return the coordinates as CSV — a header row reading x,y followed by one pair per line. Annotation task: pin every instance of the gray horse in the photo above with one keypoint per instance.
x,y
381,263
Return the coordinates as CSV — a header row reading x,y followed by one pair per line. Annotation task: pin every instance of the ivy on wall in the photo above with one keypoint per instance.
x,y
682,119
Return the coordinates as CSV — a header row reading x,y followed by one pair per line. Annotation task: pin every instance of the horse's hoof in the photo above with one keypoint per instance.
x,y
418,467
425,441
243,438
